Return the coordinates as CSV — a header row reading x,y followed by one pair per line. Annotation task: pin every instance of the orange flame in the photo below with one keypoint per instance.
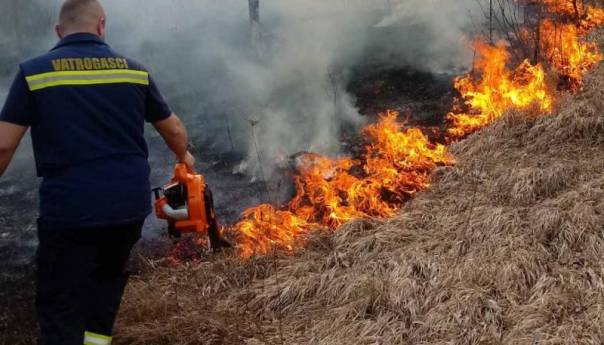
x,y
499,89
330,192
262,228
585,17
566,52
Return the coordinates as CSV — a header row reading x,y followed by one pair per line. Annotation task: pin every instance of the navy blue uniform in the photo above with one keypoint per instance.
x,y
86,106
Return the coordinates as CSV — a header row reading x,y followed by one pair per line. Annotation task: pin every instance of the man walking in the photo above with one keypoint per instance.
x,y
86,106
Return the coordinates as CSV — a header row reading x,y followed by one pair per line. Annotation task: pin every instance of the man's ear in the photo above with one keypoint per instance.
x,y
59,31
101,28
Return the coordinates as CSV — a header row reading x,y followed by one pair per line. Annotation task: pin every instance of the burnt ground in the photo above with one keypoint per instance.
x,y
17,243
422,97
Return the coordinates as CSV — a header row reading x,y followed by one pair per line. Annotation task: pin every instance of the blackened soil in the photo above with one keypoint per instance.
x,y
423,98
18,203
17,322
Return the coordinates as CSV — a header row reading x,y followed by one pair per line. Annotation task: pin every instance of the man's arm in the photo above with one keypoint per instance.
x,y
10,137
16,116
175,135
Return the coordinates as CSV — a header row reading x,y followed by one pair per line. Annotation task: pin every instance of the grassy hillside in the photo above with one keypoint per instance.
x,y
505,248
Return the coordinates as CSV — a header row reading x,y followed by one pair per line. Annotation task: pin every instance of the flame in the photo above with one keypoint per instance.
x,y
397,161
498,90
330,192
263,227
567,53
585,17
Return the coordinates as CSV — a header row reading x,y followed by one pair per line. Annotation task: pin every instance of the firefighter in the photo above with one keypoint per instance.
x,y
86,106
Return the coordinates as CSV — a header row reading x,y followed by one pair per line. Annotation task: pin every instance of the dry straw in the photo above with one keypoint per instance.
x,y
507,247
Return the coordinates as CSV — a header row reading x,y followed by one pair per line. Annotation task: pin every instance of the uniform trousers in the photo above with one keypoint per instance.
x,y
81,279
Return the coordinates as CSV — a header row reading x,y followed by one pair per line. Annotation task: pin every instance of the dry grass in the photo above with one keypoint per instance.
x,y
507,247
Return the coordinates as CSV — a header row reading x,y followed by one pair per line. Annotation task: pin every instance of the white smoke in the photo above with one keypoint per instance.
x,y
292,80
435,32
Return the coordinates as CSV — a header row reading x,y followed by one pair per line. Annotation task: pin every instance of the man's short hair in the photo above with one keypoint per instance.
x,y
79,12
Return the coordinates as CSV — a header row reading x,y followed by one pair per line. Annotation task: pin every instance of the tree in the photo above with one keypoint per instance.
x,y
255,25
254,11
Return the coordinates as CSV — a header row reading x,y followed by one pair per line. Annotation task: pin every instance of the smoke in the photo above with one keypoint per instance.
x,y
434,33
288,78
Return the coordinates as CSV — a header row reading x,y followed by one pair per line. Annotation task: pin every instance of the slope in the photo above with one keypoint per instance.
x,y
506,247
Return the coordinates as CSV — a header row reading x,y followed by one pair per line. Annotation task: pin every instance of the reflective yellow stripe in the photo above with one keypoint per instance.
x,y
52,79
78,73
89,82
96,339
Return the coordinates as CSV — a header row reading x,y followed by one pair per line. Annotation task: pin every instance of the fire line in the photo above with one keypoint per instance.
x,y
397,161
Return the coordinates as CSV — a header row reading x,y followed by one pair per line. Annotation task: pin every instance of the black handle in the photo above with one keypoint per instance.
x,y
157,192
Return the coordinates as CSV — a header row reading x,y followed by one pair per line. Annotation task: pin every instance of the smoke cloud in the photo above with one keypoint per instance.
x,y
283,83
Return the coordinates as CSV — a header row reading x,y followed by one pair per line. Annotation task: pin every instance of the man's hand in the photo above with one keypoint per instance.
x,y
189,161
10,137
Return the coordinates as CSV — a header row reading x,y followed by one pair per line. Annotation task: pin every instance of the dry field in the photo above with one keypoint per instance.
x,y
506,247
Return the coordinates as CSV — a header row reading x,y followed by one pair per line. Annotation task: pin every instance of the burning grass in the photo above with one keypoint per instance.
x,y
494,88
498,90
397,161
396,164
504,248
